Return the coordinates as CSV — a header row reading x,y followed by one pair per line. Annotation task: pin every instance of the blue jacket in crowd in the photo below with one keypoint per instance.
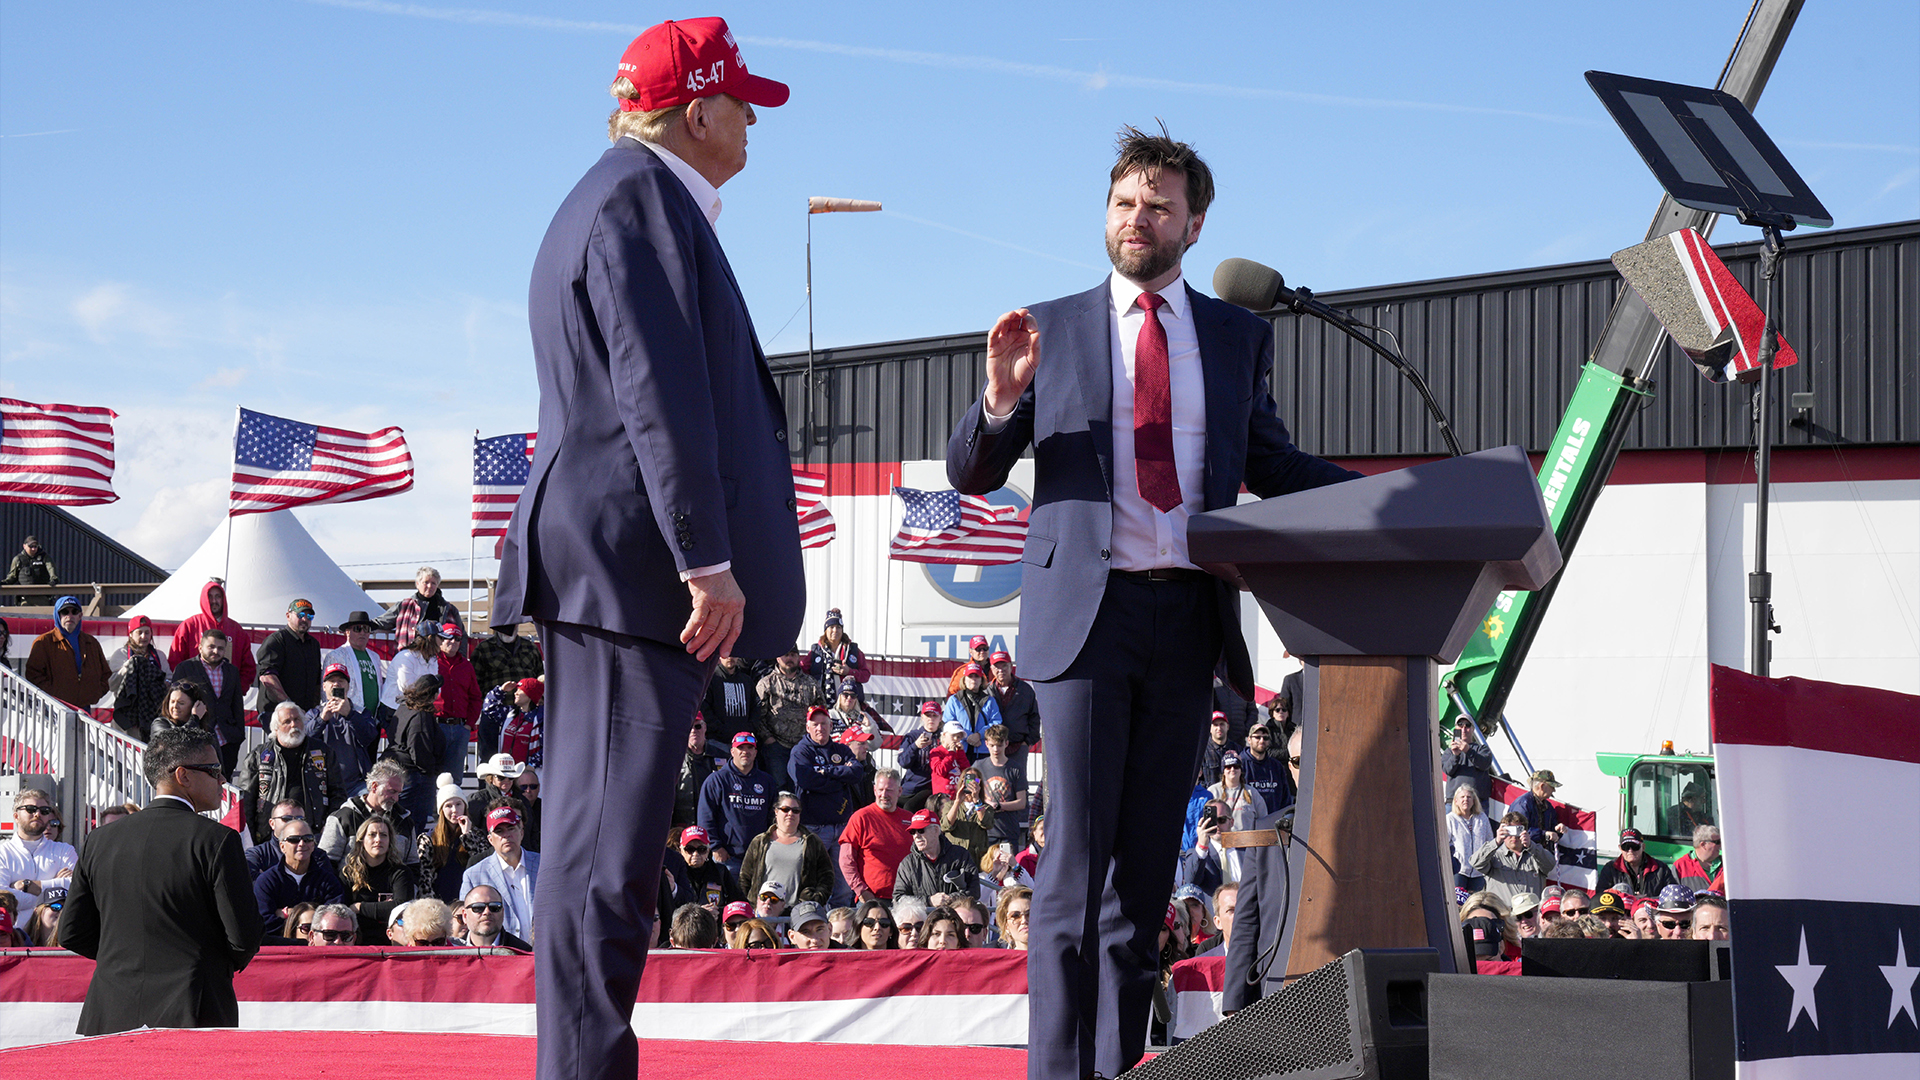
x,y
276,889
735,807
829,779
1269,777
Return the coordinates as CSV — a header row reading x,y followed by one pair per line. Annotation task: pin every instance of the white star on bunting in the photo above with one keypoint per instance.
x,y
1803,977
1900,978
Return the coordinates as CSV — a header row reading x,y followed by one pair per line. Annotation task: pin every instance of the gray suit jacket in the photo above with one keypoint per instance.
x,y
1066,415
663,439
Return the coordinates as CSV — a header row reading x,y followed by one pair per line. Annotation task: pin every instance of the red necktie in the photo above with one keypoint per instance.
x,y
1153,412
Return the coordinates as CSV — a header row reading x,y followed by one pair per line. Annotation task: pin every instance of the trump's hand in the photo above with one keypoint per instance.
x,y
718,607
1013,352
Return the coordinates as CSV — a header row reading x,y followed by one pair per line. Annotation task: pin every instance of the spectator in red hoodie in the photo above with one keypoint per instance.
x,y
946,761
458,706
213,613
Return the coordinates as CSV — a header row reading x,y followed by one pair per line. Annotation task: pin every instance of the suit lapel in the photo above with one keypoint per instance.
x,y
1220,371
1089,341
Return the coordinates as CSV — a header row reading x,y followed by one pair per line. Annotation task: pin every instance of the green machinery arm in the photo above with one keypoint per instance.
x,y
1613,386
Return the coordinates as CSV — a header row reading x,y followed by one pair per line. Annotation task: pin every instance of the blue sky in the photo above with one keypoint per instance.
x,y
326,209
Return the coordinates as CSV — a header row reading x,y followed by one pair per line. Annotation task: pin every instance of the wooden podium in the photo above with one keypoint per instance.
x,y
1374,583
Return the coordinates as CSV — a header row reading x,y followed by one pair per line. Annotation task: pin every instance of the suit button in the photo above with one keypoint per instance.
x,y
686,545
1106,554
793,504
780,435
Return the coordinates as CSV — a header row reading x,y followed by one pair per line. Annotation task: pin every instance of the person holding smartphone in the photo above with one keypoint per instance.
x,y
1511,862
345,731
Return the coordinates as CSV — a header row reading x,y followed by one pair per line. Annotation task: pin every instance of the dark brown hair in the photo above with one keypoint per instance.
x,y
1151,154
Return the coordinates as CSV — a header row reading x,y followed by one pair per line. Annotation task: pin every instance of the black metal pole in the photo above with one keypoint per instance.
x,y
1760,581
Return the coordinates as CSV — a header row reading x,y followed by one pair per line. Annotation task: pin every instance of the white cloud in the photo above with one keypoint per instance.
x,y
177,521
225,377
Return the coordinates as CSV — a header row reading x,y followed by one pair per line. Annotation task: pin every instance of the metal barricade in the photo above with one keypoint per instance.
x,y
35,731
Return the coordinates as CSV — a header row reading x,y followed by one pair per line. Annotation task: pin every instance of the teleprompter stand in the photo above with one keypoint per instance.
x,y
1374,583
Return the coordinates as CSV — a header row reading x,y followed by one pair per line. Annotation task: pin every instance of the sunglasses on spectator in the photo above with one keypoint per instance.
x,y
911,927
1016,913
435,941
883,924
694,849
307,839
1257,735
486,905
529,787
1294,761
334,935
1629,846
1676,924
288,817
786,809
759,943
35,809
974,927
55,905
1235,765
303,929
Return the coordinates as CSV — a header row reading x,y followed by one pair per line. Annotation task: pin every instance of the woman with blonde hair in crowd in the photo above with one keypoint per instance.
x,y
1013,915
1498,936
967,819
443,852
752,934
1468,829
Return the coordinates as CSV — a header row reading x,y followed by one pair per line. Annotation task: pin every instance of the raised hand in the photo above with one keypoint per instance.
x,y
1013,352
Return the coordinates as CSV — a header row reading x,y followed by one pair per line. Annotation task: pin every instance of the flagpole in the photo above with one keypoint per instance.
x,y
476,451
233,461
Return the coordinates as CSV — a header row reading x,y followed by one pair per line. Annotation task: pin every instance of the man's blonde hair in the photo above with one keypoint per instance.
x,y
650,126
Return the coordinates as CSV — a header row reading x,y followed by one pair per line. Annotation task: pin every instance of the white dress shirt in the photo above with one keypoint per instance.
x,y
39,861
1143,537
707,197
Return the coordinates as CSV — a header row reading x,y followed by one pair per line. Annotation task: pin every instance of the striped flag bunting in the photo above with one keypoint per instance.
x,y
500,469
1826,938
61,454
948,527
816,521
280,463
1579,855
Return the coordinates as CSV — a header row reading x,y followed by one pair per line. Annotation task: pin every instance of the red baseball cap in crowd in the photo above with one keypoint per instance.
x,y
502,815
852,734
922,819
451,631
1173,916
816,710
677,61
1550,904
930,708
1630,836
1218,717
745,738
739,909
534,689
979,642
974,669
694,834
138,621
334,669
999,656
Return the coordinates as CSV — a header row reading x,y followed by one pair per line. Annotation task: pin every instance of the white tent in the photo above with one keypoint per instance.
x,y
274,560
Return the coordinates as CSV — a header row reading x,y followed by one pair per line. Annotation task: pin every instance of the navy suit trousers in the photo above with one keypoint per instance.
x,y
1124,726
617,713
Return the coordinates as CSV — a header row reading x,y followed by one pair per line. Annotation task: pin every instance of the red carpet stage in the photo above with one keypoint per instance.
x,y
280,1055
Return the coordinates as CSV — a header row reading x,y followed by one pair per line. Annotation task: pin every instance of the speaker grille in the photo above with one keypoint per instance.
x,y
1305,1028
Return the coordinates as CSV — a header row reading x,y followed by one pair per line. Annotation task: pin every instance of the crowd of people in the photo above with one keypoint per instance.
x,y
788,831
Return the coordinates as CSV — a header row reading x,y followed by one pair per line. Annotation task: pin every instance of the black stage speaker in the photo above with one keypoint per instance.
x,y
1611,958
1361,1017
1493,1027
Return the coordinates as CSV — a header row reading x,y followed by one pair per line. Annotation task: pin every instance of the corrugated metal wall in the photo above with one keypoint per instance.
x,y
81,554
1501,352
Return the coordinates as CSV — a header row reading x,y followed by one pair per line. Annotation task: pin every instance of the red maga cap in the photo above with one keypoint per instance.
x,y
999,656
675,62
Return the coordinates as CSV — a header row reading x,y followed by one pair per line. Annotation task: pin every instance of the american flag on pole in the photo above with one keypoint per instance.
x,y
500,470
816,521
280,463
1825,917
948,527
56,453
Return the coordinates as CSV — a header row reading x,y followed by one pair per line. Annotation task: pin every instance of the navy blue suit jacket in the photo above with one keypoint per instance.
x,y
663,443
1066,415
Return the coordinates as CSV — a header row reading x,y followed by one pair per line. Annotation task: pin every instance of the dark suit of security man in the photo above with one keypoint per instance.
x,y
162,902
1144,411
657,530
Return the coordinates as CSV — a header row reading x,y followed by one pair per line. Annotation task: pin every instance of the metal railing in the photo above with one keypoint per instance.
x,y
92,765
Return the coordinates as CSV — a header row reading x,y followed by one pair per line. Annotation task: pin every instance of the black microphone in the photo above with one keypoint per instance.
x,y
1261,290
1248,284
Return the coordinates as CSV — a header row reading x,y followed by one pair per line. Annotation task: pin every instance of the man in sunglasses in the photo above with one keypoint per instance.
x,y
298,878
31,862
485,914
289,662
1674,917
1636,871
334,924
160,902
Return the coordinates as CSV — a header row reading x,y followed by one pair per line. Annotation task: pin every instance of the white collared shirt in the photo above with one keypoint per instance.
x,y
705,195
1143,537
